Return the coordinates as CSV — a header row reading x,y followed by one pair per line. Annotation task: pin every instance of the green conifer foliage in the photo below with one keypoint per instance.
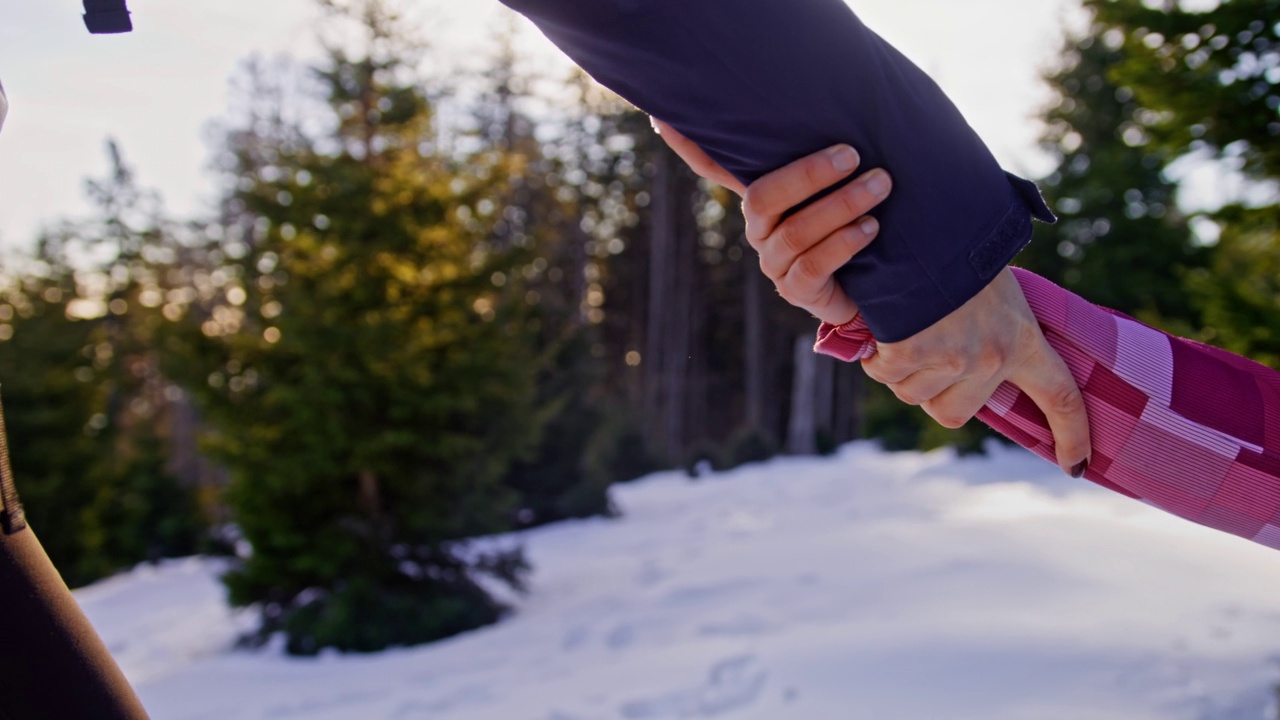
x,y
87,410
1206,79
366,382
56,429
1121,240
1205,74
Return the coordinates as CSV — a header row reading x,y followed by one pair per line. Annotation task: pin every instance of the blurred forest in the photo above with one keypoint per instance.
x,y
423,315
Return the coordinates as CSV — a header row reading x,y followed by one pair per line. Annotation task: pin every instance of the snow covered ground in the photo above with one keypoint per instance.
x,y
868,586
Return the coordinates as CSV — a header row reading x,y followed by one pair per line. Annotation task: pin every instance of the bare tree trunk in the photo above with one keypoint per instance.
x,y
370,493
661,266
756,355
848,403
672,315
578,273
824,396
698,375
679,322
186,463
801,428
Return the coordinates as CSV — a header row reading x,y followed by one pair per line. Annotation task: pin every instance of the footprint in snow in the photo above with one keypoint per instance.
x,y
575,637
737,626
650,574
621,637
731,684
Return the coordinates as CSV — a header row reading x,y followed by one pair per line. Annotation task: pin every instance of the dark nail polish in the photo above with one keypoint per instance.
x,y
1079,470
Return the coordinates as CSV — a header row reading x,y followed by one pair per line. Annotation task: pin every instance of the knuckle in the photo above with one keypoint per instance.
x,y
989,358
894,371
906,396
947,417
786,290
1065,399
874,368
953,365
807,269
771,272
757,227
791,237
910,354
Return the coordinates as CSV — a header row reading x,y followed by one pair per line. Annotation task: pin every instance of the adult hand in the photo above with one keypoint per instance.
x,y
950,369
954,366
801,253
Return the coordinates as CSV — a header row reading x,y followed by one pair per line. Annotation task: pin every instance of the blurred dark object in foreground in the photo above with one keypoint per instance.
x,y
107,17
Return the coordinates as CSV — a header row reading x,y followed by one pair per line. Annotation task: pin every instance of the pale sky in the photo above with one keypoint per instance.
x,y
156,90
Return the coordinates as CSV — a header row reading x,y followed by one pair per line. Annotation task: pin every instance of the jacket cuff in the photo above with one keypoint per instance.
x,y
953,282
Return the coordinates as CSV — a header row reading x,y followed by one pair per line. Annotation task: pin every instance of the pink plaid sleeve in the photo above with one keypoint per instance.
x,y
1183,426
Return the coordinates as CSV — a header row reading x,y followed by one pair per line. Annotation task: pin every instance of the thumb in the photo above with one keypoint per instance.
x,y
1048,383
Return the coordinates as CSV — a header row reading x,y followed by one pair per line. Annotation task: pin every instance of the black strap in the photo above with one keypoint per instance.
x,y
104,17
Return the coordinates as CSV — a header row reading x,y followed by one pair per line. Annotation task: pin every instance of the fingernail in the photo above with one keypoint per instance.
x,y
1080,469
843,158
869,226
878,183
653,123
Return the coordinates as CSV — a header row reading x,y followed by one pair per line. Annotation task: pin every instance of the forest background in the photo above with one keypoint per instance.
x,y
422,315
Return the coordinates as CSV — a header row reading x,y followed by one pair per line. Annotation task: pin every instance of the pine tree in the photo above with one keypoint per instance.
x,y
87,406
54,417
366,382
1121,240
1207,87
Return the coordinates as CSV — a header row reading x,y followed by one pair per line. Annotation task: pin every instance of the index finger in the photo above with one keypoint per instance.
x,y
770,197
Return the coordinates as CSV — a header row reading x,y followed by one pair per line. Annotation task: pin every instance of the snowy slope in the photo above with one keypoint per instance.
x,y
864,586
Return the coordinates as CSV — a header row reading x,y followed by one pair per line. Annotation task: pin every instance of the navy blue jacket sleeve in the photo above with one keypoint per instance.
x,y
760,83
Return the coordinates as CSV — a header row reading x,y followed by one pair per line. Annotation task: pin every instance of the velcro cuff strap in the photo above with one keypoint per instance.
x,y
109,22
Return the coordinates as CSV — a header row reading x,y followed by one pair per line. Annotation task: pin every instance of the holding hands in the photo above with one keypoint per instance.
x,y
950,369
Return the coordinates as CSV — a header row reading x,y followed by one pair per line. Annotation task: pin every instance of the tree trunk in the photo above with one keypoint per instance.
x,y
801,428
850,387
755,358
677,324
370,494
824,397
661,238
698,377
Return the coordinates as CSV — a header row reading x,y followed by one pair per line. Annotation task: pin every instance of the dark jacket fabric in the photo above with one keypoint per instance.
x,y
760,83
